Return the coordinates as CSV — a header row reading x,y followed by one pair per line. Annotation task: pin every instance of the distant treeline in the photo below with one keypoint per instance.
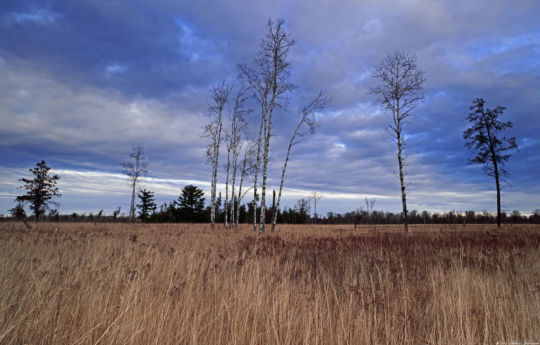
x,y
171,213
190,207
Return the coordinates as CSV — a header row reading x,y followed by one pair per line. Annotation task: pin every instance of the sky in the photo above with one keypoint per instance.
x,y
82,82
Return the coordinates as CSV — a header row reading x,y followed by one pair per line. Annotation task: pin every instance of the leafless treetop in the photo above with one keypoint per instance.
x,y
400,85
271,70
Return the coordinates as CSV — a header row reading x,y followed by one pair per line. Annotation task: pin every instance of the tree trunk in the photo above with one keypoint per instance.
x,y
268,134
234,203
402,181
132,206
246,160
258,165
214,176
315,205
274,213
496,175
262,220
291,142
213,198
239,198
227,188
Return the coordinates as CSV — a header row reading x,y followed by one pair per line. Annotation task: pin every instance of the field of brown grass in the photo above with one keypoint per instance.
x,y
185,284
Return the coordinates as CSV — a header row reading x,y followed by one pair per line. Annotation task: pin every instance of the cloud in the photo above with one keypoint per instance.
x,y
108,75
114,69
42,16
43,109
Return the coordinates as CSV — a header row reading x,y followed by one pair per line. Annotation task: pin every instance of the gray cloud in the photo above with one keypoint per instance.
x,y
82,82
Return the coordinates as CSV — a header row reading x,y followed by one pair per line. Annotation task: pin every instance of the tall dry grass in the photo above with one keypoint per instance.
x,y
186,284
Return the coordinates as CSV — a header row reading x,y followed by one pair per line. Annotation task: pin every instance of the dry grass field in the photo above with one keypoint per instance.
x,y
185,284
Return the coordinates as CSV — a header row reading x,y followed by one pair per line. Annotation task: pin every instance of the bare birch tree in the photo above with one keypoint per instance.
x,y
234,146
307,118
399,90
135,169
213,131
268,81
316,197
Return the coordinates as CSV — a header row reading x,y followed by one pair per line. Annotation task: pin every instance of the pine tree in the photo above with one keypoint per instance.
x,y
39,190
147,207
191,204
18,211
491,150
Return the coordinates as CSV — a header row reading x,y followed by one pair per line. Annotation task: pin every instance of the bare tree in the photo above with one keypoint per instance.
x,y
316,197
369,207
303,206
234,146
268,81
135,169
213,131
399,90
491,150
307,118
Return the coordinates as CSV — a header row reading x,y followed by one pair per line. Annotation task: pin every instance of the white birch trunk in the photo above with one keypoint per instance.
x,y
234,203
226,206
274,217
258,165
132,205
268,134
215,162
239,198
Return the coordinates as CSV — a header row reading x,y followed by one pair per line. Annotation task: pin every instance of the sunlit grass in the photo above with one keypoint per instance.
x,y
186,284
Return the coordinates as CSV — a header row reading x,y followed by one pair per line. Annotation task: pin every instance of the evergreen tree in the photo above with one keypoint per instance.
x,y
39,190
191,204
18,211
147,207
491,149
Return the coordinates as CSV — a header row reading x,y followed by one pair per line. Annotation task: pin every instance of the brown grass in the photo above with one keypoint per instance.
x,y
184,284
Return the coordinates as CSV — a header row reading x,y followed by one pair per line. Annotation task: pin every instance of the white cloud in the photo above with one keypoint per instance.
x,y
43,110
114,69
44,16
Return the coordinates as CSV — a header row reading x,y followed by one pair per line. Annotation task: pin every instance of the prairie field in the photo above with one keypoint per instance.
x,y
86,283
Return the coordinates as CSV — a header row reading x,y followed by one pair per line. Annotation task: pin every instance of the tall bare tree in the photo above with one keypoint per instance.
x,y
399,90
268,81
316,197
234,146
491,150
307,119
369,207
213,131
135,168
